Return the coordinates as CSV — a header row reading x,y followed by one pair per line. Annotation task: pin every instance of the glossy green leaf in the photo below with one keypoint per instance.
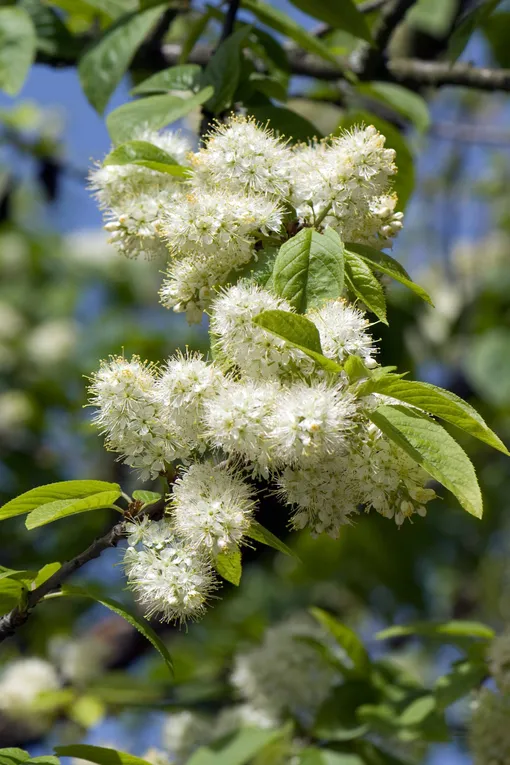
x,y
459,683
154,111
437,401
454,629
381,261
345,16
61,508
432,447
195,30
52,492
185,77
13,756
365,285
11,594
298,332
223,71
285,122
266,537
309,269
17,48
400,99
145,154
104,65
279,21
45,572
53,37
469,23
229,566
98,754
346,638
136,621
403,182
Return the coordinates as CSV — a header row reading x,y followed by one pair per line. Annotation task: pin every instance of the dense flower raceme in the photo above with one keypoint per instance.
x,y
247,415
245,186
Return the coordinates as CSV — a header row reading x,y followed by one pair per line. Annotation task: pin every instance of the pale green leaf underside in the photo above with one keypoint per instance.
x,y
61,508
51,492
432,447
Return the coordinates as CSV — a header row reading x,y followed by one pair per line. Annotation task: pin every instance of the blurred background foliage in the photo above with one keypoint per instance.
x,y
67,300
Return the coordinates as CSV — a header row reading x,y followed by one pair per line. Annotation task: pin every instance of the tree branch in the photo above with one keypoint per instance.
x,y
372,64
19,615
414,72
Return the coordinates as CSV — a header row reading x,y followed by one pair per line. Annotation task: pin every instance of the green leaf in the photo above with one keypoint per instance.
x,y
345,16
285,122
403,182
12,593
147,497
46,571
454,629
276,19
336,719
309,269
51,492
154,112
12,756
316,756
497,32
365,285
437,401
223,70
137,622
229,566
99,755
428,444
417,711
61,508
486,364
112,8
400,99
185,77
381,261
468,25
195,31
145,154
355,368
53,37
261,534
346,638
17,48
458,683
104,65
299,332
237,749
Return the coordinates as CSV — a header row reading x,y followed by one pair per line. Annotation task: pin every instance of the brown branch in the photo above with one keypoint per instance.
x,y
414,72
19,615
372,64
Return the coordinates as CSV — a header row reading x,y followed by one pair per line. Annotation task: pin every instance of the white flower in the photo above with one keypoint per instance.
x,y
489,731
232,718
155,757
168,577
283,674
132,417
499,661
16,409
310,422
241,154
135,225
343,331
237,421
113,184
81,659
52,342
21,682
212,507
185,384
323,493
183,732
256,352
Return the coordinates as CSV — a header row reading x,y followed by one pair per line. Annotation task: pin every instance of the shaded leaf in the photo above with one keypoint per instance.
x,y
400,99
185,77
148,155
345,16
440,630
285,122
100,755
432,447
365,285
136,621
266,537
103,66
346,638
223,70
237,749
17,48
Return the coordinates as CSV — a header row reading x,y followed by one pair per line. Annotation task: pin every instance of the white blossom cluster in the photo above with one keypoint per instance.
x,y
244,186
499,661
21,684
261,409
